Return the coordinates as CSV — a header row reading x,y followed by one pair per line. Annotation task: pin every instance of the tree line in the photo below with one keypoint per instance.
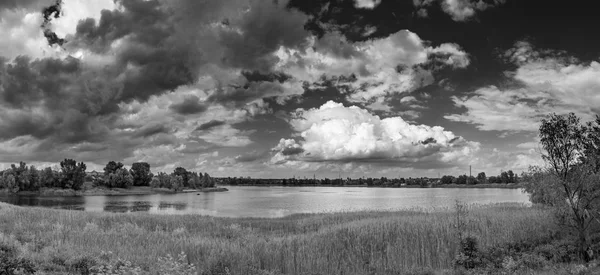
x,y
504,177
73,175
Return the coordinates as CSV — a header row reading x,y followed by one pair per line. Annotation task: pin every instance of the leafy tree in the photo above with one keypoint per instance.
x,y
472,180
447,179
462,179
141,174
504,177
570,180
72,174
511,176
164,180
176,183
49,178
481,177
207,181
180,171
34,178
9,182
120,179
112,167
155,182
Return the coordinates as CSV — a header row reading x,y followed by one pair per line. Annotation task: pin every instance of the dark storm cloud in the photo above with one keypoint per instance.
x,y
49,13
289,151
161,60
189,105
25,82
209,125
53,97
263,30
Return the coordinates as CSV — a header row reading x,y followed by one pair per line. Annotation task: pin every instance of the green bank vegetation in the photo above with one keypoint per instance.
x,y
72,176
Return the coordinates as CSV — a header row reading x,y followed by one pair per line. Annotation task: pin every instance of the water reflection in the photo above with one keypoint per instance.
x,y
127,206
277,201
168,205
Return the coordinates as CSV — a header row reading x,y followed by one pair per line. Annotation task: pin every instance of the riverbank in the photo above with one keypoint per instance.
x,y
473,186
103,191
400,242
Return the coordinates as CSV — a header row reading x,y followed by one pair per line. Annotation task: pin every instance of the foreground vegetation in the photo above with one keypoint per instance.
x,y
72,179
503,238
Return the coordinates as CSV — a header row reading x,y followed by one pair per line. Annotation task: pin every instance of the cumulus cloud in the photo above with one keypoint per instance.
x,y
459,10
373,69
334,132
548,83
366,4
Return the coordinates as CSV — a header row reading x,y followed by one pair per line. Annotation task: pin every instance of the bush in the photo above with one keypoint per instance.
x,y
108,265
10,263
175,266
468,257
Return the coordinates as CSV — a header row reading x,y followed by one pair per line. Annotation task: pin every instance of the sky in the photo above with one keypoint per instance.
x,y
293,88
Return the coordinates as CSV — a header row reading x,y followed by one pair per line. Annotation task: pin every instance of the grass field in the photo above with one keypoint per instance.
x,y
342,243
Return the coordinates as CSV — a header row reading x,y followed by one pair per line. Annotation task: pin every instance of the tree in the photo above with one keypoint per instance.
x,y
511,176
462,179
49,178
164,180
120,179
141,174
112,167
9,182
569,182
207,181
34,178
155,183
447,179
176,183
504,177
72,174
180,171
481,177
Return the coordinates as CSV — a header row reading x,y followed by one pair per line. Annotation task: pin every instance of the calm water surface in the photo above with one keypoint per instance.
x,y
278,201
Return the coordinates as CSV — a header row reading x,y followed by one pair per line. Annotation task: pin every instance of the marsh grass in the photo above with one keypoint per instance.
x,y
339,243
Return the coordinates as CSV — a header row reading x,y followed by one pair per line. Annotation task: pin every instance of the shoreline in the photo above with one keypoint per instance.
x,y
462,186
102,191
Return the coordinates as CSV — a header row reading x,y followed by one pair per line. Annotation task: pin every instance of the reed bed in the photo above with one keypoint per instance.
x,y
390,242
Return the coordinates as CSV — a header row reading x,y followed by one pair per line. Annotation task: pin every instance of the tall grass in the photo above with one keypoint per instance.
x,y
339,243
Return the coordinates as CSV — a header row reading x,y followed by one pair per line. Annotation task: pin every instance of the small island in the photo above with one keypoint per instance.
x,y
72,180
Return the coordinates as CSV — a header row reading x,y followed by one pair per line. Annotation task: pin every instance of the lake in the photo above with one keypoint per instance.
x,y
251,201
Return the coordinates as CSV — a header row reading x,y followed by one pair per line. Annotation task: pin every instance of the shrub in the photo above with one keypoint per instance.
x,y
175,266
10,263
468,257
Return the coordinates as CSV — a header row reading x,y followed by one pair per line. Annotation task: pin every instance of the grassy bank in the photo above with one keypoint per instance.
x,y
343,243
103,191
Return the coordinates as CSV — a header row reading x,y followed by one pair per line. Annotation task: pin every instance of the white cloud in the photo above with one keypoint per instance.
x,y
375,63
366,4
551,84
459,10
334,132
22,34
75,10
